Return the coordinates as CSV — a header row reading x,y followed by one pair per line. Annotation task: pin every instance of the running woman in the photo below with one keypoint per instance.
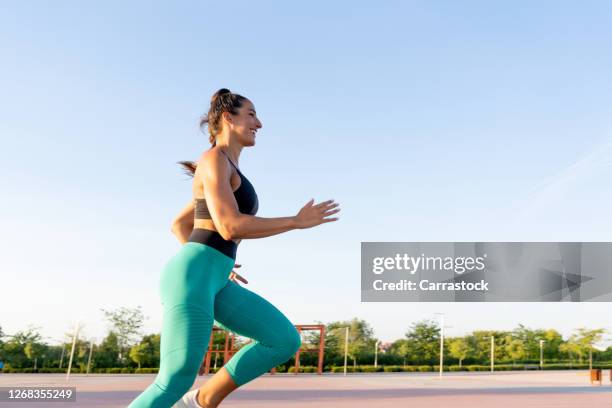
x,y
198,285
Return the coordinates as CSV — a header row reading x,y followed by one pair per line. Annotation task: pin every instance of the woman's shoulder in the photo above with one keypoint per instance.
x,y
212,158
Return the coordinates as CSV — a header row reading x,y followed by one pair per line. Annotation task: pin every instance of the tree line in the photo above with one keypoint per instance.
x,y
126,346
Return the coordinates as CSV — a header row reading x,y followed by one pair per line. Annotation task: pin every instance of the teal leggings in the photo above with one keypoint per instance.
x,y
195,292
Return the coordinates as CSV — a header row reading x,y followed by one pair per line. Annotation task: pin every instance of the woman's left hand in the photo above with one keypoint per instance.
x,y
234,276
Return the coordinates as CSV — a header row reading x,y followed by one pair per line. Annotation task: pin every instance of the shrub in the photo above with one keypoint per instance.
x,y
341,369
474,368
392,369
146,370
303,369
371,369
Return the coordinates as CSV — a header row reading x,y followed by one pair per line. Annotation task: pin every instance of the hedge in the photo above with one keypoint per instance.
x,y
334,369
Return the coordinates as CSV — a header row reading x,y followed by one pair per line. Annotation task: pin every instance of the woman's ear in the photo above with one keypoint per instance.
x,y
227,117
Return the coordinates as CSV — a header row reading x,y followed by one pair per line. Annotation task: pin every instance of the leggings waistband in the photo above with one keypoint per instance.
x,y
214,240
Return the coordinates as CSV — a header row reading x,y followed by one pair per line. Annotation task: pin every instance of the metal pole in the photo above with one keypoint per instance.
x,y
541,355
89,359
441,344
216,355
492,353
62,357
346,347
376,354
74,339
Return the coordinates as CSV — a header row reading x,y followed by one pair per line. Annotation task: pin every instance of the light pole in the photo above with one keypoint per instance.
x,y
91,345
376,354
492,352
74,340
62,357
346,347
590,356
346,336
441,342
61,341
542,354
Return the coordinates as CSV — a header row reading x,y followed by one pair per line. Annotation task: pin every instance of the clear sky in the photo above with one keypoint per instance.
x,y
426,120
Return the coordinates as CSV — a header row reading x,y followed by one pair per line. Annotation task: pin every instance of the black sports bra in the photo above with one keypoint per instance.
x,y
245,195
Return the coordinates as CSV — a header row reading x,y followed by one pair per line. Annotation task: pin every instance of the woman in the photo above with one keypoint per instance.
x,y
196,284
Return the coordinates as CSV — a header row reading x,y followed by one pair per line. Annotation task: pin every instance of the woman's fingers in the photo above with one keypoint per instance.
x,y
330,212
325,203
234,276
240,278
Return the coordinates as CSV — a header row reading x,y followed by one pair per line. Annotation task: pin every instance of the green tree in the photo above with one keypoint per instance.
x,y
459,349
360,341
34,350
530,339
572,349
139,352
398,347
553,341
126,323
423,342
480,343
514,348
107,353
587,338
146,353
14,350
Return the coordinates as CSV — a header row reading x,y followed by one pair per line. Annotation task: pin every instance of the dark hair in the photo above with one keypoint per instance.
x,y
222,101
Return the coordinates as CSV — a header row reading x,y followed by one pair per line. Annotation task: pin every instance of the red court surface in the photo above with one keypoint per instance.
x,y
554,389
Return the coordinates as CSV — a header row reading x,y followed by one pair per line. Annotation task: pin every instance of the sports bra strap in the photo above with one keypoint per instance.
x,y
230,160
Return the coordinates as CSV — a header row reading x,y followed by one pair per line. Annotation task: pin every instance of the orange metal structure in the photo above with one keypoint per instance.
x,y
229,348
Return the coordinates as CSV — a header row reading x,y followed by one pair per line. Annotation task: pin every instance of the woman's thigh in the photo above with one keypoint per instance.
x,y
248,314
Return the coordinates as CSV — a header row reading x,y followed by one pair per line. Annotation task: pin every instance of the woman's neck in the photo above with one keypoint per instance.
x,y
233,152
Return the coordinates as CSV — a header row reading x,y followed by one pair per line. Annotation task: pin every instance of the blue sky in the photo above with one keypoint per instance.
x,y
427,121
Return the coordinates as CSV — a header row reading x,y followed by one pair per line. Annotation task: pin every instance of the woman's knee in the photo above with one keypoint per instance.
x,y
178,372
292,342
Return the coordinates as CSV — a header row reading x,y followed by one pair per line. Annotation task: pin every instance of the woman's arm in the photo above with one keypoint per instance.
x,y
228,220
182,225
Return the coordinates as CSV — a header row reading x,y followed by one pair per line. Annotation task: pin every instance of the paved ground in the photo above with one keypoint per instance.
x,y
554,389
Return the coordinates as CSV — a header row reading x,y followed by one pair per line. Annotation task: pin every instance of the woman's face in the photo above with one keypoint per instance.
x,y
245,124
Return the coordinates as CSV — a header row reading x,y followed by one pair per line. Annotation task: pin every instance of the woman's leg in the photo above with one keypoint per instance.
x,y
184,340
275,340
188,286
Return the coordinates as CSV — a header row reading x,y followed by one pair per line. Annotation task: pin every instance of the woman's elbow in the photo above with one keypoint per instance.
x,y
229,230
227,233
178,226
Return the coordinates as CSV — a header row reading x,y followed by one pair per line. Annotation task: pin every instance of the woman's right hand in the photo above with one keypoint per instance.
x,y
312,215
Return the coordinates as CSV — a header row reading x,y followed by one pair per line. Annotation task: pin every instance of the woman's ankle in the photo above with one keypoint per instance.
x,y
204,402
